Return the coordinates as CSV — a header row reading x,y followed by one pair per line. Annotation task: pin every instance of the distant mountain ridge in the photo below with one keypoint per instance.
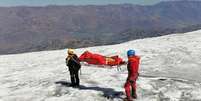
x,y
25,29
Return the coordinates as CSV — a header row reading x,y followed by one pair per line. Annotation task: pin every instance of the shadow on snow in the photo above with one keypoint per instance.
x,y
109,93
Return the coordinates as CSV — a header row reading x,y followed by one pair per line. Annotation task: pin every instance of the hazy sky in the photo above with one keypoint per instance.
x,y
71,2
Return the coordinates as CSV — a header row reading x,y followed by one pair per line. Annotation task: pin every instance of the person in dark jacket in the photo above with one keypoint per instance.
x,y
73,63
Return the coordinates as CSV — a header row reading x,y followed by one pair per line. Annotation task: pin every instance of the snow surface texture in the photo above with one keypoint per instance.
x,y
170,71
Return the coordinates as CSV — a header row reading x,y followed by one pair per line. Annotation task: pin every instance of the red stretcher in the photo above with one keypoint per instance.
x,y
97,59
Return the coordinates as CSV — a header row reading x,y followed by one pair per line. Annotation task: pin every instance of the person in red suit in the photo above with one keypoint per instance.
x,y
132,66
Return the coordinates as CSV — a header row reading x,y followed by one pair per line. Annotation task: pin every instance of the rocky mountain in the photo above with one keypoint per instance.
x,y
25,29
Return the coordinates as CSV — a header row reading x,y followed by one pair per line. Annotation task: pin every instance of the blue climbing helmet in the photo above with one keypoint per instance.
x,y
131,53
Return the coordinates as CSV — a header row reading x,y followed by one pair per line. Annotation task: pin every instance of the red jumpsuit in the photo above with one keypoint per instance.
x,y
133,65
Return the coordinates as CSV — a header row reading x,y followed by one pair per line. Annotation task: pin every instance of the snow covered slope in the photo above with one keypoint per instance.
x,y
170,71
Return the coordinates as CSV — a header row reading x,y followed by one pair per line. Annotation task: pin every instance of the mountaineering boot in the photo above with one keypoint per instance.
x,y
134,96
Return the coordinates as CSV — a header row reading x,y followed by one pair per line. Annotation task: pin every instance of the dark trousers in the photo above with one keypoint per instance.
x,y
74,76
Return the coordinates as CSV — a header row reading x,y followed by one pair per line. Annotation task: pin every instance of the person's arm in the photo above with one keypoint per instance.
x,y
128,68
67,60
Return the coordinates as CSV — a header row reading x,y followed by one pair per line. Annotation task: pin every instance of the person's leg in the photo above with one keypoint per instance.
x,y
127,90
134,94
77,80
72,77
